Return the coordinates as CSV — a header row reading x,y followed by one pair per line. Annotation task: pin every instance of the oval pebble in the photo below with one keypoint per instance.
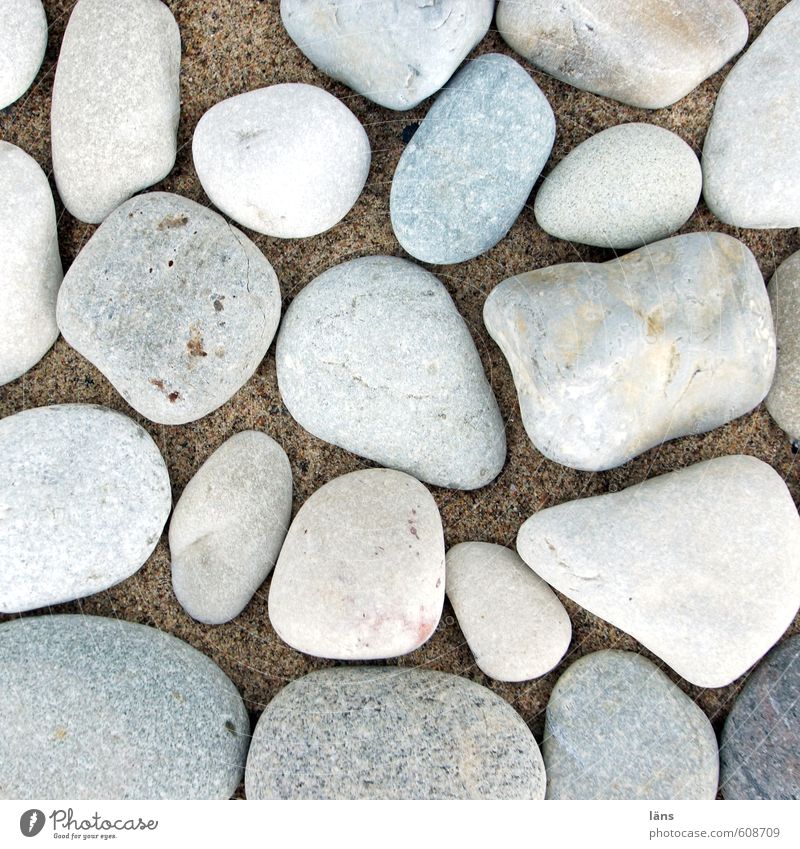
x,y
23,41
783,401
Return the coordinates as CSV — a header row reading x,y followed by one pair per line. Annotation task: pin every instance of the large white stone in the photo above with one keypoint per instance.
x,y
783,401
23,41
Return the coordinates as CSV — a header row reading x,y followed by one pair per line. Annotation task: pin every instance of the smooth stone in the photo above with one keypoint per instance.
x,y
751,157
783,401
23,41
116,103
514,624
682,562
466,175
175,307
621,188
373,356
289,160
610,359
391,733
395,54
361,572
760,751
95,708
646,53
30,265
617,728
84,496
228,526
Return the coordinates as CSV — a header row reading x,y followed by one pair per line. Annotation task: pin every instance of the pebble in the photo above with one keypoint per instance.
x,y
395,54
23,41
95,708
391,733
466,175
751,157
622,188
617,728
760,752
514,624
783,401
361,572
289,160
175,307
30,265
116,103
84,495
611,359
373,356
646,53
228,526
682,562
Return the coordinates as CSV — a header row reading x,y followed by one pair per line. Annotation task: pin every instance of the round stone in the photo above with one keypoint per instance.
x,y
23,41
783,401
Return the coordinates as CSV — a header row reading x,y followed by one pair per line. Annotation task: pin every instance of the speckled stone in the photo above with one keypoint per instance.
x,y
515,626
228,526
395,54
95,708
391,733
621,188
647,53
23,41
373,356
30,264
617,728
611,359
682,562
84,495
176,307
760,752
467,173
783,401
361,572
288,160
751,157
116,103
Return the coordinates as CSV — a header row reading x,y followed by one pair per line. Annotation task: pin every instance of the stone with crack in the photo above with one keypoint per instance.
x,y
783,401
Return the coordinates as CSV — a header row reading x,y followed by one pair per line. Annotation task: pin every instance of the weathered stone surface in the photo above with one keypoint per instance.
x,y
395,54
95,708
515,626
617,728
391,733
467,173
783,401
683,562
361,573
176,307
647,53
23,41
374,357
116,103
227,528
611,359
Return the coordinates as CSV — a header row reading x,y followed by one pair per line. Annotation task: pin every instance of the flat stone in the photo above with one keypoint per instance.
x,y
647,53
228,526
682,562
289,160
373,356
467,173
617,728
621,188
30,265
783,401
84,495
361,573
396,54
175,307
23,41
96,708
514,624
116,103
611,359
751,157
760,752
391,733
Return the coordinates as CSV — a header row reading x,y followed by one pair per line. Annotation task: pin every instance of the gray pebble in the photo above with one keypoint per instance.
x,y
783,401
23,41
